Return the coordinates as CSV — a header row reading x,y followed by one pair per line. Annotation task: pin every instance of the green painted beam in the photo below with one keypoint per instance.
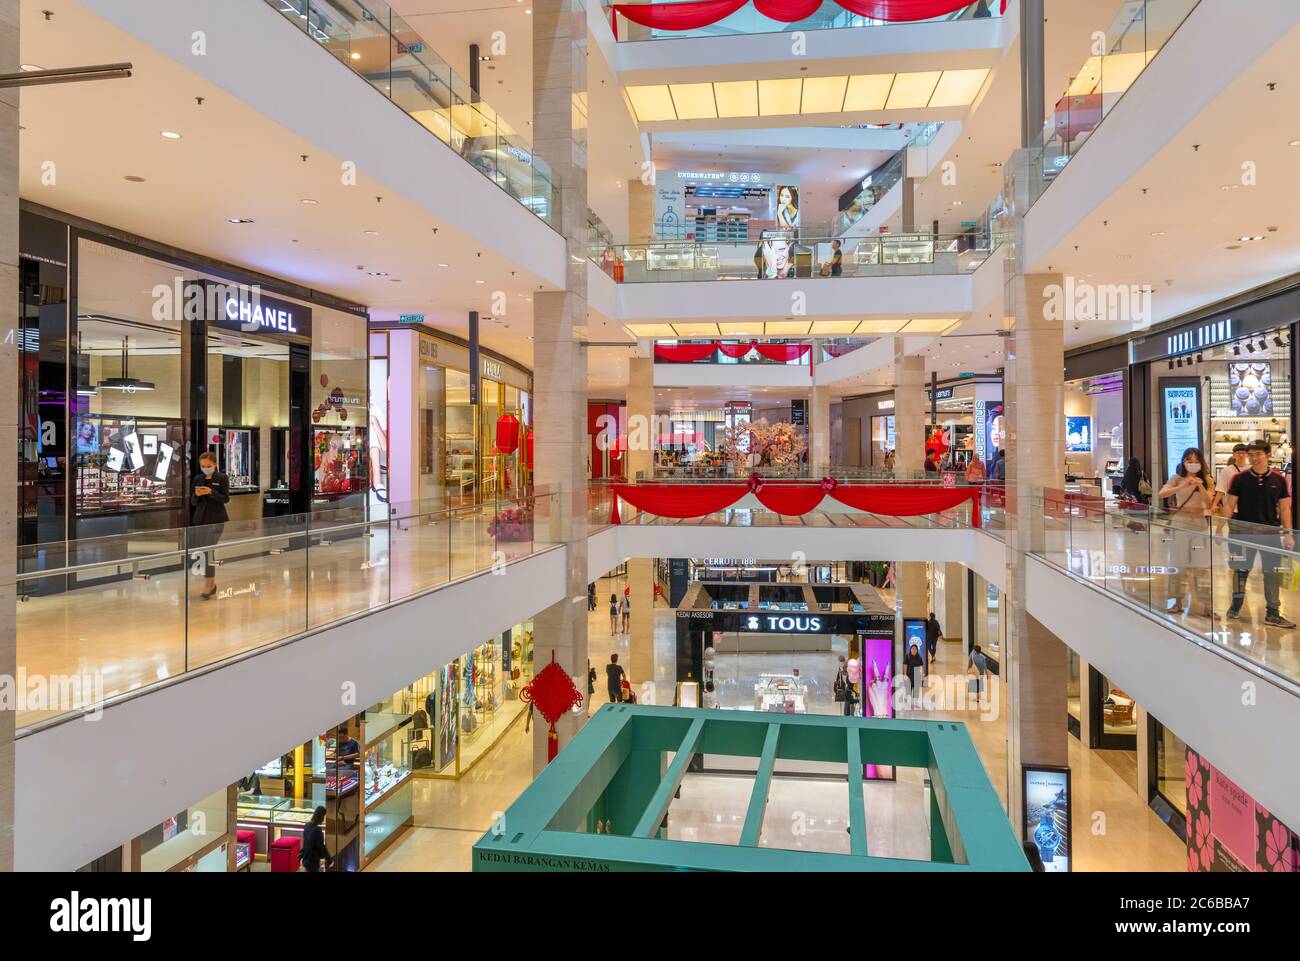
x,y
857,809
546,828
658,806
762,785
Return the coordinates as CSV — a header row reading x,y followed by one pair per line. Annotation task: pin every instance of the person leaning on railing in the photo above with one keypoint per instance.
x,y
1258,497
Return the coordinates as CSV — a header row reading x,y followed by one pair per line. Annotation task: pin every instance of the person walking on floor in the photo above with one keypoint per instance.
x,y
614,677
209,495
613,613
932,634
977,669
626,611
914,663
1259,498
314,850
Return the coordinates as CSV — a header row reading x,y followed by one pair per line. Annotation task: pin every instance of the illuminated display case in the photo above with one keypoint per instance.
x,y
906,249
673,258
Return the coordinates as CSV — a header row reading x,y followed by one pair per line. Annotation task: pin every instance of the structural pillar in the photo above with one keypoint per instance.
x,y
9,14
819,448
640,418
559,342
640,212
909,412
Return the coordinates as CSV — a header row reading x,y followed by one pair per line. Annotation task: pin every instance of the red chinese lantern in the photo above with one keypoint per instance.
x,y
528,450
507,434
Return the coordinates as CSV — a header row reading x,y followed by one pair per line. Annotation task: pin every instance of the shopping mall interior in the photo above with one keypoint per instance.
x,y
761,435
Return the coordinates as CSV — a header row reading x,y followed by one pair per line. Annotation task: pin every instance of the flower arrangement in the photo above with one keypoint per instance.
x,y
760,444
513,524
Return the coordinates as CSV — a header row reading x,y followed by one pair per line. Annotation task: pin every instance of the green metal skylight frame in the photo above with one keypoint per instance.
x,y
614,771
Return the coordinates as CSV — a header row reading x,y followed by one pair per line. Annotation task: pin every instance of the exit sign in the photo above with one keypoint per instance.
x,y
410,319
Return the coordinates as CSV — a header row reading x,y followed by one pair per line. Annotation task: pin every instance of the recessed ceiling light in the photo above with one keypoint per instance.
x,y
32,68
355,55
239,220
442,265
309,202
1157,233
378,273
372,233
170,135
1230,186
479,281
132,178
1293,143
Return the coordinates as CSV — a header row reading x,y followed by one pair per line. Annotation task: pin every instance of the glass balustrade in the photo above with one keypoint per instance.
x,y
1140,30
1229,585
384,50
101,617
886,255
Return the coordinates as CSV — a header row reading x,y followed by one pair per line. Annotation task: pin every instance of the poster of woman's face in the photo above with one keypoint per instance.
x,y
787,207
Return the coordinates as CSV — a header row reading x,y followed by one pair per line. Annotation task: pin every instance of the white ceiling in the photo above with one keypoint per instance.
x,y
1175,227
234,162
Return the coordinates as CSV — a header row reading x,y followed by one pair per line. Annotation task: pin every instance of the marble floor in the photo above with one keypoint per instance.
x,y
1114,830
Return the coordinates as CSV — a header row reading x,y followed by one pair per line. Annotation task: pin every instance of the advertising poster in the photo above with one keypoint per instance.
x,y
878,689
1227,831
1078,435
992,430
1046,794
785,200
1251,385
1181,406
670,211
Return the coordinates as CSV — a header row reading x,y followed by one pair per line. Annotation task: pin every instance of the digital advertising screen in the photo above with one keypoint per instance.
x,y
1078,435
1046,794
1181,417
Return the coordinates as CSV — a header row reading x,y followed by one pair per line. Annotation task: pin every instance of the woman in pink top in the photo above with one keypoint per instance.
x,y
1188,497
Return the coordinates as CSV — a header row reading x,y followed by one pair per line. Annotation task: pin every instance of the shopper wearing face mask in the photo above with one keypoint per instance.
x,y
1188,497
209,494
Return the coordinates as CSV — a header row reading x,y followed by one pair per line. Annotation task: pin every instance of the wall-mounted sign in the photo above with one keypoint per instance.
x,y
1278,310
491,368
428,349
242,308
410,318
783,623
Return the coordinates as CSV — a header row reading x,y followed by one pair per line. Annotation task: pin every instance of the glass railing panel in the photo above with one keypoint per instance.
x,y
394,58
246,587
97,632
347,565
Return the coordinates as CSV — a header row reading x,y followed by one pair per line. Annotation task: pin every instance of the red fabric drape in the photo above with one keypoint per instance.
x,y
787,11
904,11
902,500
703,13
792,500
681,500
782,352
735,350
683,353
675,16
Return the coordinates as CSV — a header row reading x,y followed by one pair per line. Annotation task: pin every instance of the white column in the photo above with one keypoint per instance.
x,y
640,405
819,452
559,338
1035,666
9,398
909,411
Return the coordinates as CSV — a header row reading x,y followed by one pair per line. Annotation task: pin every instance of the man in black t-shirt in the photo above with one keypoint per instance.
x,y
1258,498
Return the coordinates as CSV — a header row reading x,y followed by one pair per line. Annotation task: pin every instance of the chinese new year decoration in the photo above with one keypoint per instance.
x,y
552,692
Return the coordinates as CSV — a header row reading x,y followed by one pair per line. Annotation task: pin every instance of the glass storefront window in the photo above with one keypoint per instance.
x,y
1073,697
1094,417
1118,710
191,832
1171,768
340,402
986,607
460,471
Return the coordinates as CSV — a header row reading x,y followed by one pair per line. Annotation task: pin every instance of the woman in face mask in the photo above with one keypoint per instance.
x,y
1187,498
209,494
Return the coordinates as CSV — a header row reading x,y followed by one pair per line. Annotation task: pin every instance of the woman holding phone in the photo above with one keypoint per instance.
x,y
209,494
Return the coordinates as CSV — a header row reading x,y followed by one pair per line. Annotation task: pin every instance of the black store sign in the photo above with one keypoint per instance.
x,y
1280,310
244,309
788,622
